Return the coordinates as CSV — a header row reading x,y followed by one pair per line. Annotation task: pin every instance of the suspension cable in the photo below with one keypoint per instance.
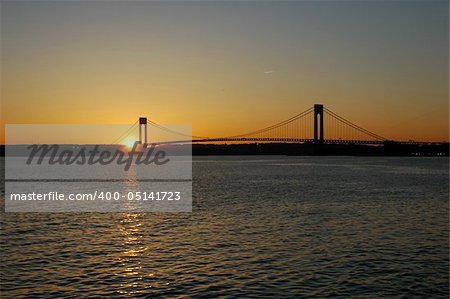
x,y
354,126
277,125
172,131
126,133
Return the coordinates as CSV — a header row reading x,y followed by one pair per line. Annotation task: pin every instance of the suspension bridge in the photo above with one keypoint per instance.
x,y
317,125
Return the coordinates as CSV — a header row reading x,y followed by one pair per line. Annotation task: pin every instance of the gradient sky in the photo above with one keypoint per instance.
x,y
227,67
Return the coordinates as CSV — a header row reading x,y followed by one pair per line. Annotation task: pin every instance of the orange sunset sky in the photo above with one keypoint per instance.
x,y
227,67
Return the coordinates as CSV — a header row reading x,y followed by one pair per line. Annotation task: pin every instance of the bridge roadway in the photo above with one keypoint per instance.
x,y
302,140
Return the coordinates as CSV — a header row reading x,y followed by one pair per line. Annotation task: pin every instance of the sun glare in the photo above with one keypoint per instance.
x,y
129,142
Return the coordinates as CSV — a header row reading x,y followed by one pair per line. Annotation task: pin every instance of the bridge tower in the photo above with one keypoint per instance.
x,y
143,122
318,123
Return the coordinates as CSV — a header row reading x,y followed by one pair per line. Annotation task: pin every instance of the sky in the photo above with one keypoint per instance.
x,y
227,67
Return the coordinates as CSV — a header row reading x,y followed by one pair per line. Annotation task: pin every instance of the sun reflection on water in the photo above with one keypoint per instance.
x,y
131,272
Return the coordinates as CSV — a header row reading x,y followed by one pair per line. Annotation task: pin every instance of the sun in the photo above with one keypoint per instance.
x,y
129,142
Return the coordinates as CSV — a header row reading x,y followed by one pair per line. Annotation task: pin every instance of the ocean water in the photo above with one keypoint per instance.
x,y
366,227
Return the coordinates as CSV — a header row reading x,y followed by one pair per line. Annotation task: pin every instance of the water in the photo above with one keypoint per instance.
x,y
261,226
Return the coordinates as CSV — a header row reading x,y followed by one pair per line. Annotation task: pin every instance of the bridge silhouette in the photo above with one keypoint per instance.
x,y
317,125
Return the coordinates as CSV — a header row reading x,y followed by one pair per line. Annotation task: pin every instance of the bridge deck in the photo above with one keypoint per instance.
x,y
303,140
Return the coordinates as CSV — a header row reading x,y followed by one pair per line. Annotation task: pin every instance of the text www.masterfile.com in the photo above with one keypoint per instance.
x,y
98,195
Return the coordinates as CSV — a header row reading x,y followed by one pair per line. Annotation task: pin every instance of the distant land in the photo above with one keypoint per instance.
x,y
307,149
310,149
